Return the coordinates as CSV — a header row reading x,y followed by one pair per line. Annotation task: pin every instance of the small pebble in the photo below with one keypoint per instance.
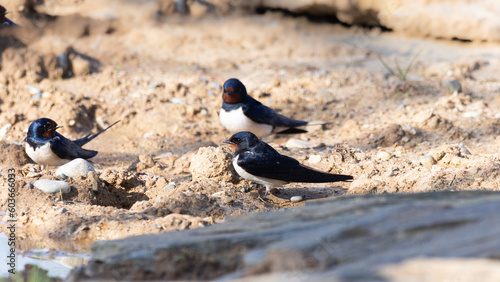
x,y
176,100
296,199
94,178
245,189
453,86
427,160
4,130
61,211
34,90
32,169
52,186
314,159
33,174
296,143
326,96
471,114
383,156
227,199
163,155
408,129
63,63
153,85
74,168
181,7
215,85
463,149
169,186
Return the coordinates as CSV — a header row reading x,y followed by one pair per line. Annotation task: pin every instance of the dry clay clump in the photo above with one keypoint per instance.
x,y
213,163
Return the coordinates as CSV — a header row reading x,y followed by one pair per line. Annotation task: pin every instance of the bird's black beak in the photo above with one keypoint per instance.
x,y
55,127
227,142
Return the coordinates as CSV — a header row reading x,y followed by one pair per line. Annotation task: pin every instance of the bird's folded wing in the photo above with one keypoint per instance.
x,y
285,168
65,149
262,114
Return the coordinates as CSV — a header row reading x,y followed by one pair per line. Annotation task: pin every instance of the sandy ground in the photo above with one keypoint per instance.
x,y
162,78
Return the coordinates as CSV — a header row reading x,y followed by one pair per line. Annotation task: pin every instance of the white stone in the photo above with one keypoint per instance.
x,y
383,156
296,143
4,130
314,159
74,168
52,186
427,160
296,199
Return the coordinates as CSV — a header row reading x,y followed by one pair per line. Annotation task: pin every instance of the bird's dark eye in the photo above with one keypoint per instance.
x,y
236,140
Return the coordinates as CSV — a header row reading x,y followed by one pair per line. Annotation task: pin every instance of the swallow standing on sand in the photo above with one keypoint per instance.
x,y
240,112
256,161
5,22
47,147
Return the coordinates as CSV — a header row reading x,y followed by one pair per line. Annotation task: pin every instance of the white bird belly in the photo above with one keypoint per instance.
x,y
236,121
268,182
43,155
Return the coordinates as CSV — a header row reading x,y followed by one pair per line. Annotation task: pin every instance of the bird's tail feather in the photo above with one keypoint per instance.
x,y
307,174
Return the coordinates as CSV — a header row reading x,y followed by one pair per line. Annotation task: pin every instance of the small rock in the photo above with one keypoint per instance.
x,y
64,64
94,178
34,90
427,160
227,199
180,6
408,129
314,159
453,86
215,85
383,156
153,85
169,186
33,174
316,125
74,168
4,130
32,169
471,114
80,66
362,186
163,155
246,189
52,186
101,123
61,211
296,143
296,199
63,176
463,150
176,100
326,96
197,10
147,160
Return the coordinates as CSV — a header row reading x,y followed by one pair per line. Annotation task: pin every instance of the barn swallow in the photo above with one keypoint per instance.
x,y
4,21
47,147
240,112
256,161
